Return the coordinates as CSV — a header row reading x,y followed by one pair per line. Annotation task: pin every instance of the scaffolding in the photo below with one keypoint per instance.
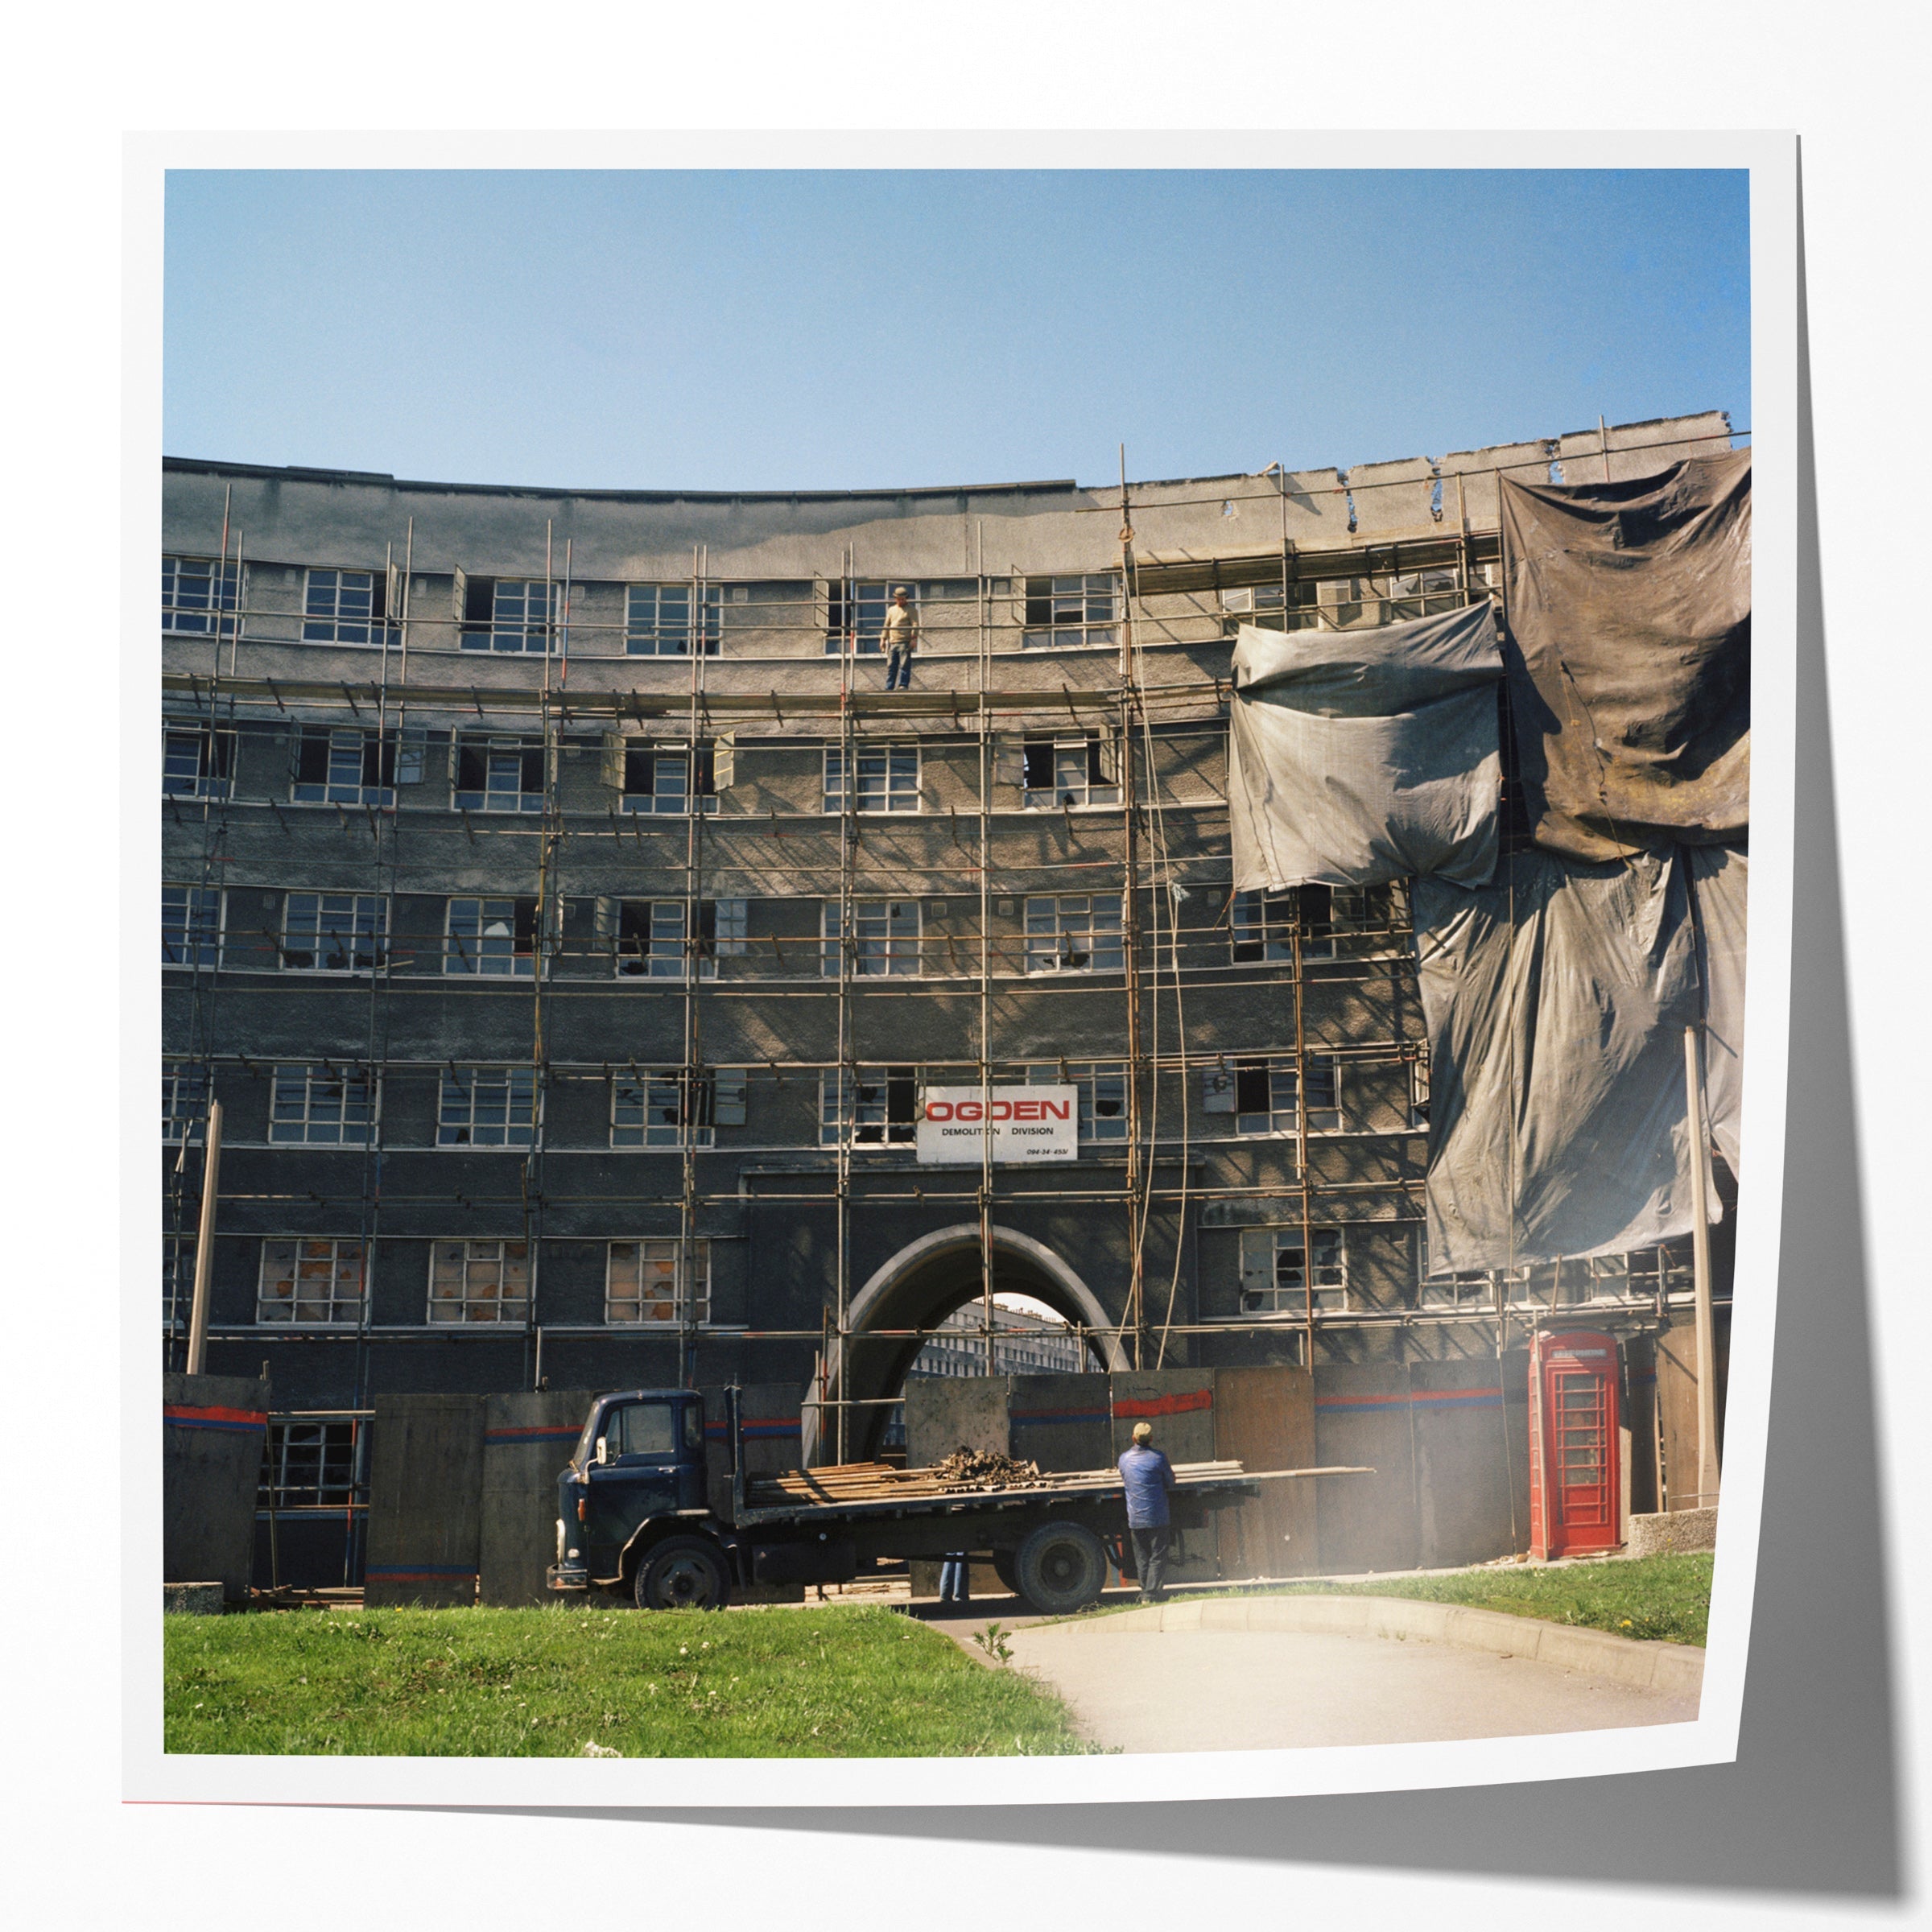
x,y
1135,720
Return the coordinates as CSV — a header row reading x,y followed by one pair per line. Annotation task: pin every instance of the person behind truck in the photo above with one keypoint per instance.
x,y
955,1582
1147,1476
899,638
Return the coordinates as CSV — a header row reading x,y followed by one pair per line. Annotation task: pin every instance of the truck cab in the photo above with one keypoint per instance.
x,y
635,1483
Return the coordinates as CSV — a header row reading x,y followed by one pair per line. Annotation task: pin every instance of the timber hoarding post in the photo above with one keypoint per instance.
x,y
1700,1263
204,1243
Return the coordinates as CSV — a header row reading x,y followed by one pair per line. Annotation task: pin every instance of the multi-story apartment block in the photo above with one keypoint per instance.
x,y
570,924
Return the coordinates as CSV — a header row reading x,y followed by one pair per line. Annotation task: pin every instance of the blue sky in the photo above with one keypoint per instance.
x,y
830,330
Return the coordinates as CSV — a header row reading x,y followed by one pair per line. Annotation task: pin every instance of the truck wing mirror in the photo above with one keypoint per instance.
x,y
601,1453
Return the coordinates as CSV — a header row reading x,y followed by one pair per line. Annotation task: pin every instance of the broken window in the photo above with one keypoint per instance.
x,y
344,765
495,937
1059,772
1078,934
666,778
1102,1091
347,607
868,1106
309,1465
333,932
653,1109
183,1102
479,1281
646,1282
1274,1275
323,1106
1267,1091
499,775
509,613
310,1281
197,595
651,939
1071,610
1263,923
197,761
657,620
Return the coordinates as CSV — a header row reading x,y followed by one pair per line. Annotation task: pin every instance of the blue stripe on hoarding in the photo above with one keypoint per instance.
x,y
204,1422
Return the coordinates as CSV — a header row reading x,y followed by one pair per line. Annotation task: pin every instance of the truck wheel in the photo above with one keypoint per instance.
x,y
681,1573
1006,1567
1061,1567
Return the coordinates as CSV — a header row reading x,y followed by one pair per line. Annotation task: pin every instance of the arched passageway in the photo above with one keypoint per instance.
x,y
919,1288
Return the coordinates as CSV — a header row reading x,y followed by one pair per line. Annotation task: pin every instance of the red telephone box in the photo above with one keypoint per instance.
x,y
1576,1463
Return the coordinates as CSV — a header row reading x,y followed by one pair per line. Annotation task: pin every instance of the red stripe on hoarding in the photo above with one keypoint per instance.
x,y
186,1412
1163,1405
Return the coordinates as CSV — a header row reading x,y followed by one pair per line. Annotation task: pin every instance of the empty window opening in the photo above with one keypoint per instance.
x,y
1055,773
342,766
666,780
1267,1093
868,1106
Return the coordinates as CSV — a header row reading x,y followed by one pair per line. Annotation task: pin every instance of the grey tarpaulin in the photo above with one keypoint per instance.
x,y
1719,878
1556,1000
1359,756
1628,647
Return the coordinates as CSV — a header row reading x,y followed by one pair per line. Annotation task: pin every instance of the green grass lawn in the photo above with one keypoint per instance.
x,y
1663,1597
846,1682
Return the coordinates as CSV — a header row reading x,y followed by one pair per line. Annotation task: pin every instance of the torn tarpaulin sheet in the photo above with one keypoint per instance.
x,y
1719,879
1628,647
1360,756
1557,999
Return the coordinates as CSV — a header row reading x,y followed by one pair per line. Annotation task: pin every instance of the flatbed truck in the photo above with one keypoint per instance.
x,y
635,1518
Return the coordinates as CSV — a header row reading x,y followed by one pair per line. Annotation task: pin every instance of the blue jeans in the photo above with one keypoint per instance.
x,y
955,1581
898,668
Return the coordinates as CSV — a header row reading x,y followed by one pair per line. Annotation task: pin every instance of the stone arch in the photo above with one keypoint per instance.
x,y
922,1284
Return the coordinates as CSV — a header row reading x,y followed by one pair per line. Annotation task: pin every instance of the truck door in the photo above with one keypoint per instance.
x,y
633,1476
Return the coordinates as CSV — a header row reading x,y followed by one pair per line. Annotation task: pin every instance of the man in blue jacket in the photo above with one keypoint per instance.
x,y
1148,1476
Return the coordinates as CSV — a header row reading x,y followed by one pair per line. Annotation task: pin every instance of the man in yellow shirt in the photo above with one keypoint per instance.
x,y
899,638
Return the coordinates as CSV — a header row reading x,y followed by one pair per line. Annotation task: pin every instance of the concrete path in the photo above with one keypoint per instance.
x,y
1135,1685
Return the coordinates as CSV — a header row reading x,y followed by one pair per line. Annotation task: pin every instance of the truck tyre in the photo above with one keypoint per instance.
x,y
1006,1567
681,1573
1061,1567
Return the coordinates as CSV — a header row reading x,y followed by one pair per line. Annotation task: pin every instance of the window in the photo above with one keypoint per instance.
x,y
1418,1093
183,1102
196,593
1077,935
197,762
1058,772
1078,609
508,613
487,1107
344,765
347,607
642,1283
885,778
1263,923
1103,1090
309,1465
657,620
885,938
856,615
650,1109
666,779
1266,1093
479,1281
871,1106
191,925
177,1281
499,775
305,1282
333,932
323,1106
1274,1278
495,937
651,939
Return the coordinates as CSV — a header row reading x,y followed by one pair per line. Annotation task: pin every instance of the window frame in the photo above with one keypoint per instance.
x,y
341,1314
700,783
879,945
214,758
195,936
1282,1112
184,1080
518,1084
312,1120
1095,791
376,931
1087,1076
660,638
326,621
346,747
465,1301
491,746
900,794
507,631
522,963
663,1091
840,1109
1283,1238
1045,933
687,1300
221,615
1048,621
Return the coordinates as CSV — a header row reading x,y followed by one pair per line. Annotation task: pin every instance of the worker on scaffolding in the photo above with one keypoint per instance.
x,y
899,638
1147,1476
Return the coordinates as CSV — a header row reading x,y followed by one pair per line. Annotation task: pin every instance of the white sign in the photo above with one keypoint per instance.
x,y
1025,1124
